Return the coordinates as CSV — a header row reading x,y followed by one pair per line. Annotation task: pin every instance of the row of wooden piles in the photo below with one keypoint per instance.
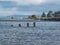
x,y
34,24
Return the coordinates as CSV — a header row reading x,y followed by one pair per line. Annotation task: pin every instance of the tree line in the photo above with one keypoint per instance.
x,y
49,14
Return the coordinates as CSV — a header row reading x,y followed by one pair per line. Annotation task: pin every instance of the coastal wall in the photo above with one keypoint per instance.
x,y
51,19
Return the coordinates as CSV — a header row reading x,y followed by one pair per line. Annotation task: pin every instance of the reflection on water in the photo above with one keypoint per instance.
x,y
45,33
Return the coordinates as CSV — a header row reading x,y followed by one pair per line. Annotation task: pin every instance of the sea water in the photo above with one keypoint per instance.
x,y
45,33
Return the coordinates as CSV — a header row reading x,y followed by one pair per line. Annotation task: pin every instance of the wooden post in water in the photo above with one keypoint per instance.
x,y
27,24
11,25
19,25
34,24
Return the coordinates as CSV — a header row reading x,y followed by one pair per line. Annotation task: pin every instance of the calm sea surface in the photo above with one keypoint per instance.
x,y
45,33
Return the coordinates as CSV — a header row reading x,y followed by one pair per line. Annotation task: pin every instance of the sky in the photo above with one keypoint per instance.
x,y
28,7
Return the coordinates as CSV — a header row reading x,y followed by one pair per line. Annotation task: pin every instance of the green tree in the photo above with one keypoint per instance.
x,y
43,14
49,14
32,17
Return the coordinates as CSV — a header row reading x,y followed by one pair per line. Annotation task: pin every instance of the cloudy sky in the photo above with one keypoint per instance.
x,y
27,7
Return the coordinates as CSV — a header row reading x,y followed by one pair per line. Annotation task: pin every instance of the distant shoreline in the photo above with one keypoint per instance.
x,y
28,19
47,19
51,19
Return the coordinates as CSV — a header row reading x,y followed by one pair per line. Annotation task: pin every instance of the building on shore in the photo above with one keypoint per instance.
x,y
53,17
57,14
